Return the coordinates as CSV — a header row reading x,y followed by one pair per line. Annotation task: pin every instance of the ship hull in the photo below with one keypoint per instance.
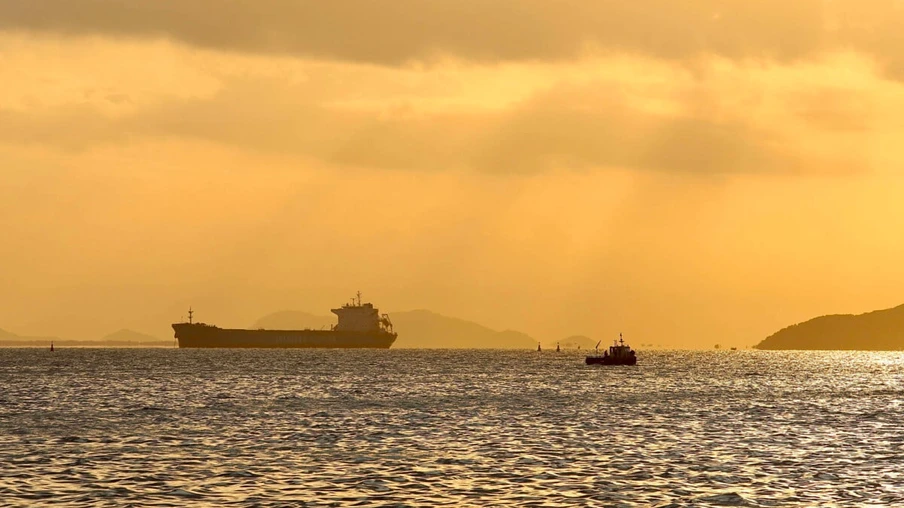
x,y
206,336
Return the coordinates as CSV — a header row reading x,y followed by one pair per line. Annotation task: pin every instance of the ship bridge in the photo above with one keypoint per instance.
x,y
360,317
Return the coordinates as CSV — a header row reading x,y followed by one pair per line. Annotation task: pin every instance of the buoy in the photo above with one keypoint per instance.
x,y
51,346
557,347
538,347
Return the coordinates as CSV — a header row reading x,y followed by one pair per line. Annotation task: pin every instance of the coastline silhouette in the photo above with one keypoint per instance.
x,y
880,330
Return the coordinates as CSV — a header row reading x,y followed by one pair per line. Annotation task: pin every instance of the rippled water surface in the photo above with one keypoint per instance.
x,y
169,427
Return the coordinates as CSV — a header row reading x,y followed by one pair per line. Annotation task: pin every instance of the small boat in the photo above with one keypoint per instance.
x,y
618,354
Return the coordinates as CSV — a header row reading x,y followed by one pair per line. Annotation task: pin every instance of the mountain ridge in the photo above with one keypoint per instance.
x,y
120,338
419,328
877,330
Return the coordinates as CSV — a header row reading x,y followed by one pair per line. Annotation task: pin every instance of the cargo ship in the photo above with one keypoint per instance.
x,y
360,325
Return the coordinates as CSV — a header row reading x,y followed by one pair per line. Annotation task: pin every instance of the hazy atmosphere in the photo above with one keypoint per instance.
x,y
683,172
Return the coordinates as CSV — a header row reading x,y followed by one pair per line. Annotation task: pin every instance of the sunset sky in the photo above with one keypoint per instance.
x,y
684,172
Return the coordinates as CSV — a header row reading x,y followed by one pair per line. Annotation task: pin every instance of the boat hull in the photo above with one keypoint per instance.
x,y
206,336
608,360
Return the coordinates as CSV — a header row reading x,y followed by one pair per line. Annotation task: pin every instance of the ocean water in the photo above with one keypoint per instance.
x,y
169,427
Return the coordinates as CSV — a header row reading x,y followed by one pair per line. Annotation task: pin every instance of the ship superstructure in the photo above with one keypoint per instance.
x,y
360,325
361,317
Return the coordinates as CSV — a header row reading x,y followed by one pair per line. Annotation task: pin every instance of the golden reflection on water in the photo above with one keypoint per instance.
x,y
475,428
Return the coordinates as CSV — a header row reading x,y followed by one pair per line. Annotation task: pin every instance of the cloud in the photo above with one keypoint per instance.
x,y
613,112
399,31
708,115
594,127
591,125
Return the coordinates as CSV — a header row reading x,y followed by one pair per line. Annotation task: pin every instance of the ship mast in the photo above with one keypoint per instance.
x,y
190,312
359,298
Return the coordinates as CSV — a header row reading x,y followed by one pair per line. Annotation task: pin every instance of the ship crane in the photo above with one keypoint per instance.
x,y
385,321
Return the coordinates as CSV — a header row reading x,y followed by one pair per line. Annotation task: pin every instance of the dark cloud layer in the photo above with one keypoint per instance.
x,y
396,31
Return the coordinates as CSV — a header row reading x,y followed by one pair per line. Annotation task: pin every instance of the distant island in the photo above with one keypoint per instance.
x,y
136,339
417,329
881,330
10,339
577,342
121,338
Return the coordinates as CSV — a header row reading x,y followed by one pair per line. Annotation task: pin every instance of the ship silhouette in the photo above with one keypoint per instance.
x,y
360,325
618,354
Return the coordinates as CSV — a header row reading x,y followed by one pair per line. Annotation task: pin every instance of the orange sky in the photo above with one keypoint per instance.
x,y
684,172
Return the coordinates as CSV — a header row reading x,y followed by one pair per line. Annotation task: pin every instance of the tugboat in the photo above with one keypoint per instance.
x,y
618,354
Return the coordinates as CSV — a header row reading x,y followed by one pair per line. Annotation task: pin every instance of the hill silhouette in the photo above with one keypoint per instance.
x,y
416,329
881,330
426,329
576,341
121,338
9,339
131,337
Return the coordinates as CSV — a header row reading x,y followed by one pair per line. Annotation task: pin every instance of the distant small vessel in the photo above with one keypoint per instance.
x,y
618,354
